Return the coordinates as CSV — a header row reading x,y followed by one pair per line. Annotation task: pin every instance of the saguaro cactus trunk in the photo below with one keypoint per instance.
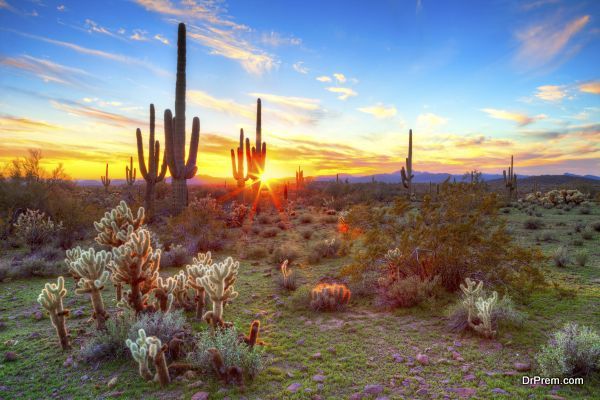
x,y
151,174
180,170
407,175
238,172
510,179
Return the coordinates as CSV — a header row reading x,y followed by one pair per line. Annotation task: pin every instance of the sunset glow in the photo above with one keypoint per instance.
x,y
341,83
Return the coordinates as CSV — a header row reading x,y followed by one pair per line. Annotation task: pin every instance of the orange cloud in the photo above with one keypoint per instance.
x,y
551,93
344,93
96,114
590,87
46,70
520,118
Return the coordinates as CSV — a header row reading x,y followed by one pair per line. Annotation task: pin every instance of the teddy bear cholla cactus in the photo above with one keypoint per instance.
x,y
195,272
147,348
184,293
136,264
163,294
329,296
480,307
90,268
51,299
218,283
117,225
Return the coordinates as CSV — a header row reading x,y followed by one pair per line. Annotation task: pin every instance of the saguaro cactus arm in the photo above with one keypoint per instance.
x,y
238,172
130,172
407,174
151,173
105,180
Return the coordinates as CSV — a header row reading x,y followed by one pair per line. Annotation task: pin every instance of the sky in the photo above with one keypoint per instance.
x,y
341,83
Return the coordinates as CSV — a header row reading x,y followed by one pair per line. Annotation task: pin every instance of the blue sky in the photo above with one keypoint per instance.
x,y
341,82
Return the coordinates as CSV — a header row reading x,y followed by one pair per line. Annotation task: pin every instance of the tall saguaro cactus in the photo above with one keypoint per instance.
x,y
259,150
105,180
130,173
299,178
407,175
510,179
238,172
151,174
180,170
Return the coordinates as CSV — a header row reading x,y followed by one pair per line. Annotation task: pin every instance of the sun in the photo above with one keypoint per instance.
x,y
265,178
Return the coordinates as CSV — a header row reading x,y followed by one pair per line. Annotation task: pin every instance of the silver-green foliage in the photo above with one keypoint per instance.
x,y
35,229
571,351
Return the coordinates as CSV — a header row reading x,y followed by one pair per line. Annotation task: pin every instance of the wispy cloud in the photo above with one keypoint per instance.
x,y
430,120
299,67
9,123
275,39
379,110
106,117
551,92
590,87
323,78
542,43
419,6
98,53
520,118
46,70
303,103
341,78
532,5
344,93
5,6
92,26
61,8
161,39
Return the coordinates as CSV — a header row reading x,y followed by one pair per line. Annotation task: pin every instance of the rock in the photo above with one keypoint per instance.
x,y
318,378
397,358
34,335
10,356
555,397
78,313
300,342
382,398
457,343
38,315
422,392
373,389
195,385
112,382
68,362
84,378
356,396
116,393
456,356
422,359
316,397
320,386
2,326
200,396
469,377
10,342
522,366
464,392
316,356
500,391
293,388
189,375
332,350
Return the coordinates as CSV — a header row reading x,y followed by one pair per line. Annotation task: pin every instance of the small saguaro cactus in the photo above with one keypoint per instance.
x,y
406,173
139,352
299,178
51,299
91,268
130,173
510,179
287,276
136,264
238,171
180,170
156,351
258,153
329,296
195,272
151,174
105,180
218,283
252,338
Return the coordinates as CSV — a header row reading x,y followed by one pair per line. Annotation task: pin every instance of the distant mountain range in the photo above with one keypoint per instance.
x,y
394,177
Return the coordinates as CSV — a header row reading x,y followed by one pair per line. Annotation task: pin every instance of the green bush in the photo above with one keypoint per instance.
x,y
560,257
285,252
270,232
533,223
36,229
504,314
406,292
581,257
571,351
110,343
164,326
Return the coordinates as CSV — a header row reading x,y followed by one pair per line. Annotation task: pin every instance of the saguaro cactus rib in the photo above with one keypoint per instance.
x,y
151,174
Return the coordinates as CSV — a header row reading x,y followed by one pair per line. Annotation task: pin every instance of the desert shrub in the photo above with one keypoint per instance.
x,y
366,286
405,292
270,232
35,229
285,252
533,223
505,210
326,248
571,351
35,265
234,352
200,226
306,219
577,242
587,234
254,252
306,233
329,297
287,278
579,226
581,257
109,343
282,225
176,256
264,219
164,326
547,236
560,257
237,214
596,226
206,241
585,208
300,299
329,219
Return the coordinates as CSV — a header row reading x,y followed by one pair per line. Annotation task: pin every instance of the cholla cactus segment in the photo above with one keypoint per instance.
x,y
136,264
329,296
156,351
195,272
51,298
117,225
471,291
139,352
163,294
218,283
485,309
287,276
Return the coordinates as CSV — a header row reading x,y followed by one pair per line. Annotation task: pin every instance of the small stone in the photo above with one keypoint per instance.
x,y
332,350
316,356
293,388
373,389
397,358
456,356
34,335
2,326
422,359
320,386
469,377
499,391
84,378
112,382
522,366
382,398
200,396
457,343
300,342
195,385
356,396
78,313
68,362
189,375
422,392
10,356
38,315
464,392
318,378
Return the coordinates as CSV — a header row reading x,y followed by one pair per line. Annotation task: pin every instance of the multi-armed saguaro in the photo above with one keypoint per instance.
x,y
258,154
180,170
299,178
151,175
407,175
510,179
105,180
130,173
238,172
